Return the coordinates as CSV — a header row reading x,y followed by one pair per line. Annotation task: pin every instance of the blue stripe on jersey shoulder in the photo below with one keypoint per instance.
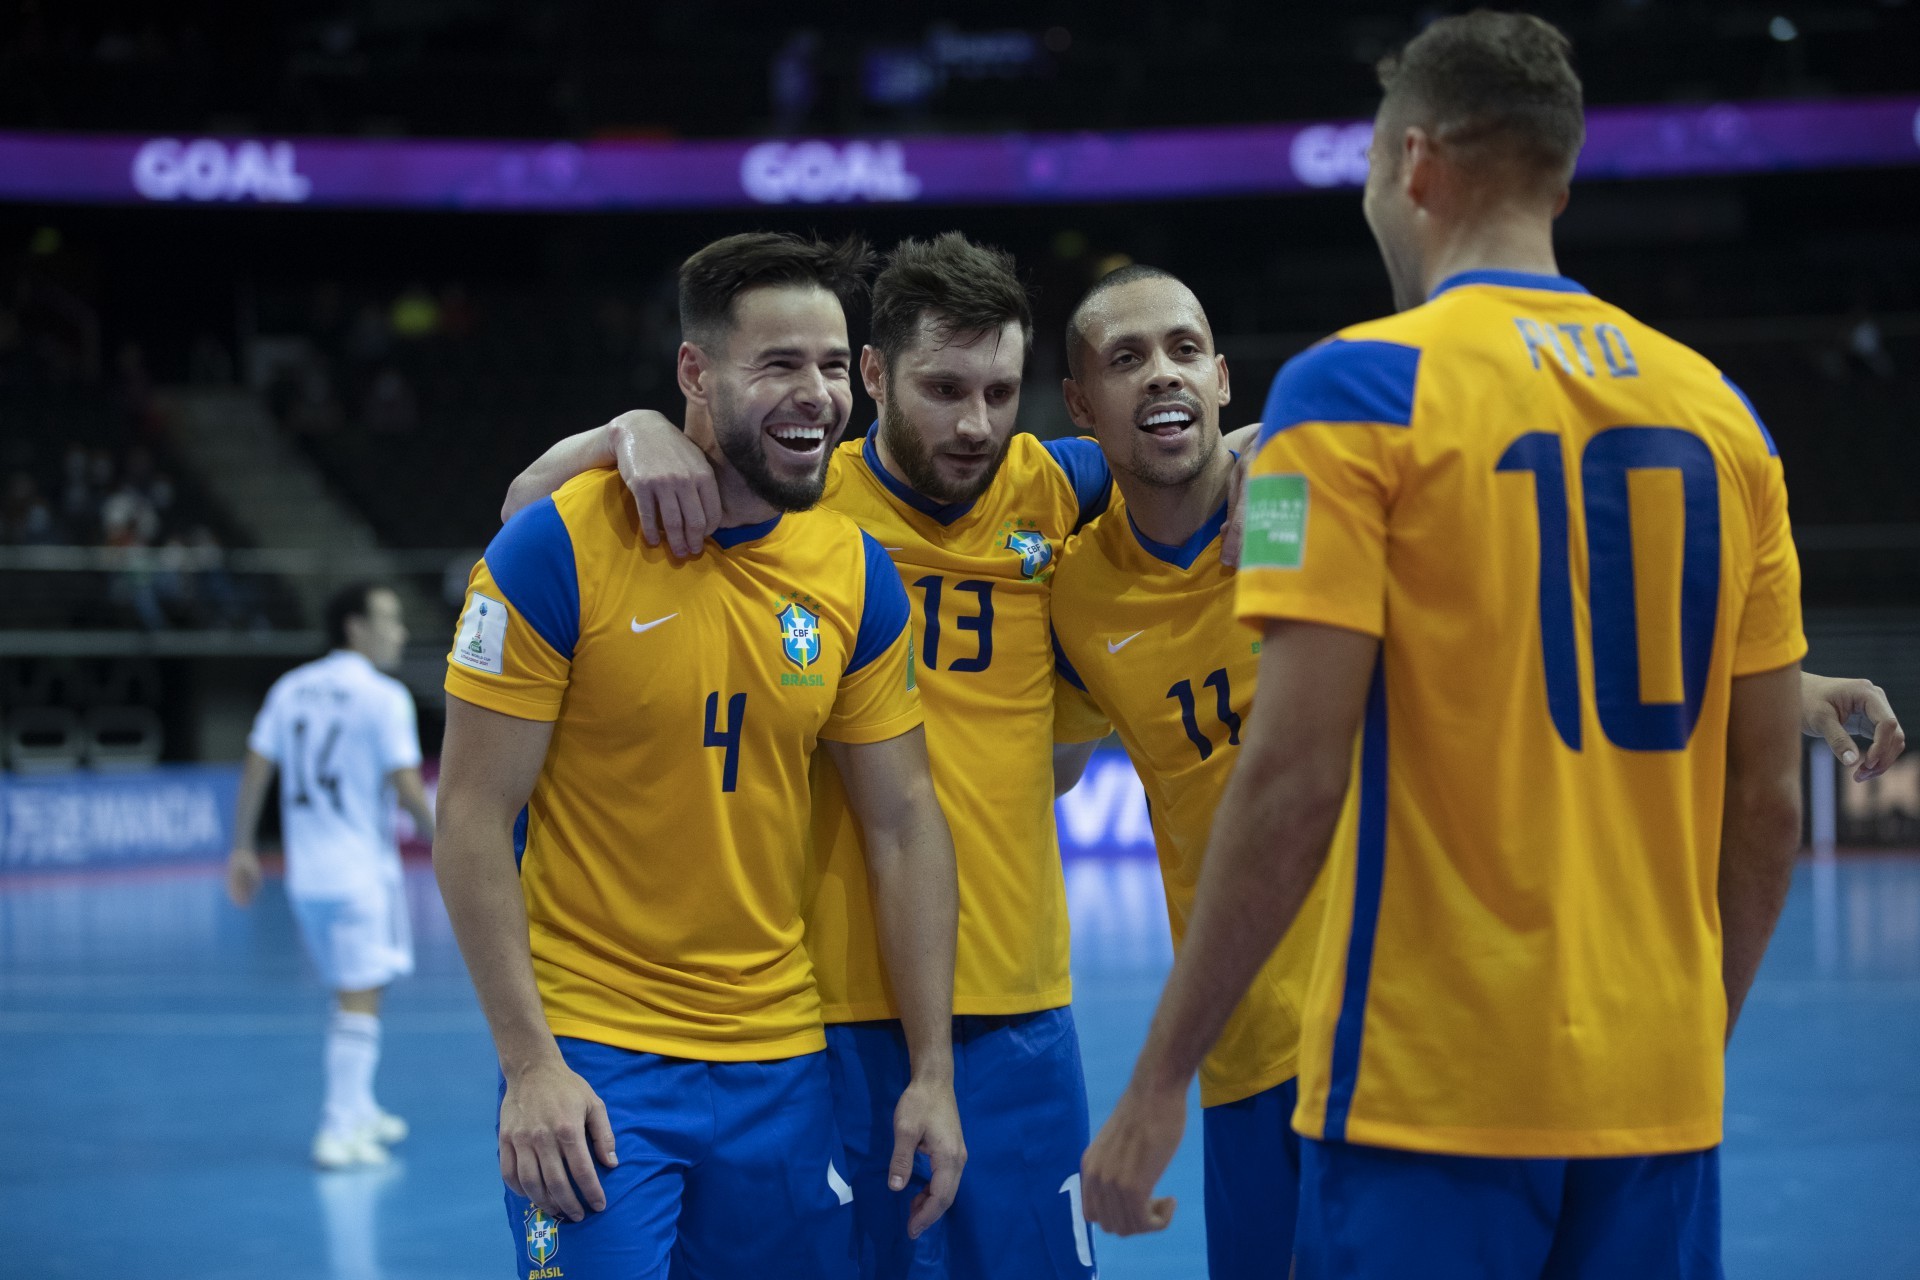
x,y
1063,666
884,616
1773,450
1340,381
1087,470
531,559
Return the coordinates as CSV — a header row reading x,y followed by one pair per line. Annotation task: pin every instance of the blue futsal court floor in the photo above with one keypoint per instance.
x,y
159,1052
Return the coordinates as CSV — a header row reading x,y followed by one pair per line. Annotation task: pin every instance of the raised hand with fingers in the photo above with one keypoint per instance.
x,y
1835,708
671,481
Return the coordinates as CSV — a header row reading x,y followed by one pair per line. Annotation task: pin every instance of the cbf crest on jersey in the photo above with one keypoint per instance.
x,y
1031,545
543,1236
800,632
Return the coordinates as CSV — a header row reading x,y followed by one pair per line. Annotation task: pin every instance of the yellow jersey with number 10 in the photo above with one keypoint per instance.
x,y
1147,634
665,845
1570,534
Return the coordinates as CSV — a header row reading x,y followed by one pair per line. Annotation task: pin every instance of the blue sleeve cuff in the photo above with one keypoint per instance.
x,y
1087,472
531,560
1064,667
885,614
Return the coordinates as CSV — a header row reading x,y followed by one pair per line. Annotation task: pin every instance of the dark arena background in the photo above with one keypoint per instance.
x,y
289,294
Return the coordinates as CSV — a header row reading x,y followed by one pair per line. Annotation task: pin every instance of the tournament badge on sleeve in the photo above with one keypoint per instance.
x,y
543,1243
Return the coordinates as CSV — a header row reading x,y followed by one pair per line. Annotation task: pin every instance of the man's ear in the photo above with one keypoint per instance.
x,y
1078,407
1418,159
1226,384
690,368
873,374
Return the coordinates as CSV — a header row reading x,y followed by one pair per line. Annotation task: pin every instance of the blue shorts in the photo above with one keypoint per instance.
x,y
1023,1107
1252,1184
726,1169
1367,1213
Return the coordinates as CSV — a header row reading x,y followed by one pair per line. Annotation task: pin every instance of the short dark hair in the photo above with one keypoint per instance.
x,y
962,287
1076,324
350,601
1499,83
712,278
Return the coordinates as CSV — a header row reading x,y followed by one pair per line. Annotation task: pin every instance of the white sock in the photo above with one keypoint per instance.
x,y
353,1051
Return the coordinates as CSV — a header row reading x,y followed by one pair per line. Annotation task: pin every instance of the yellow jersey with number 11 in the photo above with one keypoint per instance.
x,y
1570,534
1149,642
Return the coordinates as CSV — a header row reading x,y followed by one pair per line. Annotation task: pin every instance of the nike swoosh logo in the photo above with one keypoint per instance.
x,y
639,626
1115,646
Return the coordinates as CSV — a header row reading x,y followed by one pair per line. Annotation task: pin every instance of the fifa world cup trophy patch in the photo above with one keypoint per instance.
x,y
1276,522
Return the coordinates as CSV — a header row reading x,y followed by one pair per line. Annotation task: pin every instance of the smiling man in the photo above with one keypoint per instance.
x,y
973,516
651,723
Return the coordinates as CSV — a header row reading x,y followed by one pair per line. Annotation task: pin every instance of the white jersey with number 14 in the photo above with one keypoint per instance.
x,y
337,728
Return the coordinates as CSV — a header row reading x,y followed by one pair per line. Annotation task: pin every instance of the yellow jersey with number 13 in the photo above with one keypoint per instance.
x,y
980,577
665,844
1570,534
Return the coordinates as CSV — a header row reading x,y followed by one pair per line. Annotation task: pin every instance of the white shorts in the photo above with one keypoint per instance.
x,y
361,942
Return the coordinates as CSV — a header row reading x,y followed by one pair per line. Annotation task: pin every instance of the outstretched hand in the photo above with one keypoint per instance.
x,y
1832,708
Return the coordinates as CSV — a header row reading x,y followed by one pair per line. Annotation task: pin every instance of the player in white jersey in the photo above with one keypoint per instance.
x,y
344,739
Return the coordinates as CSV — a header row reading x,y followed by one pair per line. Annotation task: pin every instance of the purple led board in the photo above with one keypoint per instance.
x,y
1162,164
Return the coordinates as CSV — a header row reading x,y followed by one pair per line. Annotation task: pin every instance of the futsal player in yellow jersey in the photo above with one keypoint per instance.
x,y
1143,613
1525,575
973,517
656,719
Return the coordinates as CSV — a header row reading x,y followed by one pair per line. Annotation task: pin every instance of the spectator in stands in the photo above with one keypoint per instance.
x,y
135,390
390,404
79,501
415,314
25,518
127,517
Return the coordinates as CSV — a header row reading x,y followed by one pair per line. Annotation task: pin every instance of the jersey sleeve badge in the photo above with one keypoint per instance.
x,y
482,640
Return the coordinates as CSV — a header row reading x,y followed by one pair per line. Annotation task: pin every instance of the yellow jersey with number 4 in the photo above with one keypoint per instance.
x,y
1570,534
1149,643
979,575
665,843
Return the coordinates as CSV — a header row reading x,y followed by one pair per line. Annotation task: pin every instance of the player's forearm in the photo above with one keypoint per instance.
x,y
565,459
916,897
1760,836
256,772
473,862
1270,840
412,795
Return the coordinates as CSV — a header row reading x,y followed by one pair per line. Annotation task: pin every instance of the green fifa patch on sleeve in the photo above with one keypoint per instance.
x,y
1276,522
